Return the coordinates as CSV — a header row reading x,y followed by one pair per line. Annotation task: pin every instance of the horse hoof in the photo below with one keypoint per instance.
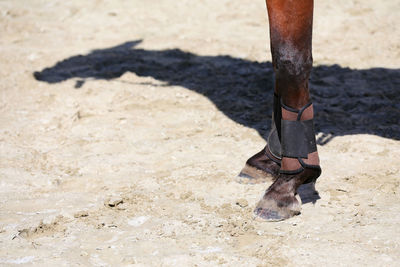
x,y
272,210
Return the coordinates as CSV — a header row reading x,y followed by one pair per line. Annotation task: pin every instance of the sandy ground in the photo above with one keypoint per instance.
x,y
124,124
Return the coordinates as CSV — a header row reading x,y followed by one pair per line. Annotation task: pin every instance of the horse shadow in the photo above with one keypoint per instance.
x,y
346,101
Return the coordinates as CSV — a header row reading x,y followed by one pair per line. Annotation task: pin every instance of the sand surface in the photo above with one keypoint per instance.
x,y
124,123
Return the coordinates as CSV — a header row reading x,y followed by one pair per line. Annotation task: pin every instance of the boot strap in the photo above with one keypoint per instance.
x,y
297,137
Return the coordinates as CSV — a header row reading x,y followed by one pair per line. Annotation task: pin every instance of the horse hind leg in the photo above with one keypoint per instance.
x,y
260,168
264,166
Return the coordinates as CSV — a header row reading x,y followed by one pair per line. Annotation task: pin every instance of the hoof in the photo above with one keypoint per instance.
x,y
252,175
272,210
260,168
268,215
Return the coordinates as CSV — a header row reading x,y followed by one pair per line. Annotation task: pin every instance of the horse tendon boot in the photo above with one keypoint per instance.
x,y
299,164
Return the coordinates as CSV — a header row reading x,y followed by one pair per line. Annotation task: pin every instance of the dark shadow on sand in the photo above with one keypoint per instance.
x,y
308,193
346,101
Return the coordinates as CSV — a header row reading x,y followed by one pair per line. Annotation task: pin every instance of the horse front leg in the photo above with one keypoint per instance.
x,y
291,34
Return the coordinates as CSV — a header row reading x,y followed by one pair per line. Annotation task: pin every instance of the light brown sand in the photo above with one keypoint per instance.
x,y
133,161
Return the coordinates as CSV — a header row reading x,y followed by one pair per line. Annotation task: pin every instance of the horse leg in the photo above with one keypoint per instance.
x,y
264,166
259,168
291,33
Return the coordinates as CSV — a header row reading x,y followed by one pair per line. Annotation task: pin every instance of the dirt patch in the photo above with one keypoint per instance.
x,y
124,124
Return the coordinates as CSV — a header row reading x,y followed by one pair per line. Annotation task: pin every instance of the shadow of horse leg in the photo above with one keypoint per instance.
x,y
308,193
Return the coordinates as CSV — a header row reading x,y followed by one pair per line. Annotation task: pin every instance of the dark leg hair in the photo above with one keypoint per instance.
x,y
290,24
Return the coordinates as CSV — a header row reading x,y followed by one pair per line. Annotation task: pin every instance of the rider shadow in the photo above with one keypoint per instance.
x,y
346,101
